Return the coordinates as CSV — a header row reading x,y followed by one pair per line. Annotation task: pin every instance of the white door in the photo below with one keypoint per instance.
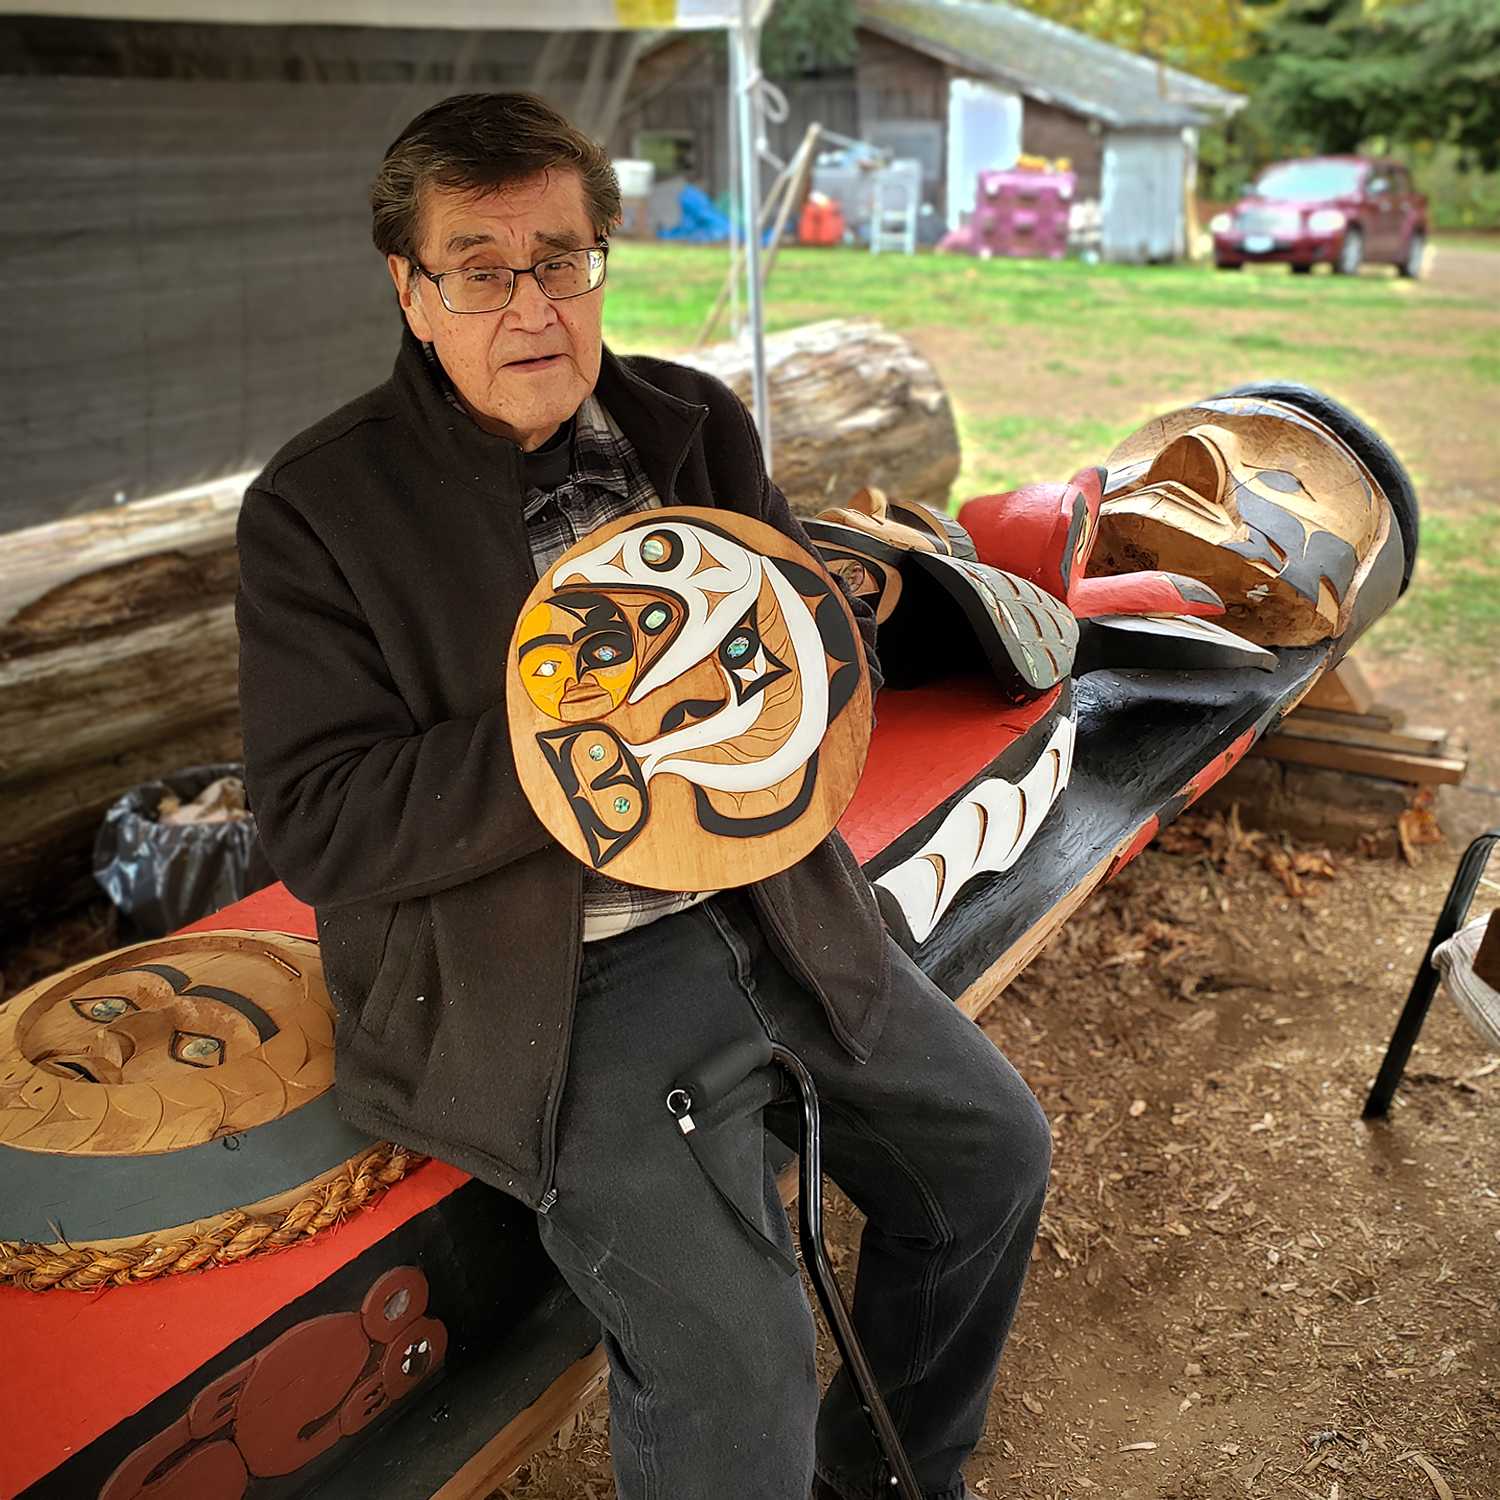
x,y
1142,196
984,133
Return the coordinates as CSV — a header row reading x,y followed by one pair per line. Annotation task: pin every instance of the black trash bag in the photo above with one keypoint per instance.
x,y
162,876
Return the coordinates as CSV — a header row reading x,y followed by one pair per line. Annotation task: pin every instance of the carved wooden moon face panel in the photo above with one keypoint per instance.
x,y
165,1045
688,700
1257,500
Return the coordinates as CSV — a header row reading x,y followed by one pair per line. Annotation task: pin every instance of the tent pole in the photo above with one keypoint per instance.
x,y
745,49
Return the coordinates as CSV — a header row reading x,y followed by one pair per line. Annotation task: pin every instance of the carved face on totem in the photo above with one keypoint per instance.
x,y
688,700
1257,500
863,543
165,1045
941,611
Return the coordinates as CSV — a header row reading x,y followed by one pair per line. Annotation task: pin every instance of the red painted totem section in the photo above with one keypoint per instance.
x,y
1220,766
1045,534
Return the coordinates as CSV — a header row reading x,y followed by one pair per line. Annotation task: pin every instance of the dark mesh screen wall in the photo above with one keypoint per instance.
x,y
185,257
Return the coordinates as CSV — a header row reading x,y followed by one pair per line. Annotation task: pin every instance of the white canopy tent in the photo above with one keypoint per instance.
x,y
741,19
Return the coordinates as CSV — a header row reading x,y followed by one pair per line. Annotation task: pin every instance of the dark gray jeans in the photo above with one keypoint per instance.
x,y
713,1392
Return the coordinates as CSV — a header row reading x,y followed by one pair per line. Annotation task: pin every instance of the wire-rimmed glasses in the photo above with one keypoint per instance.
x,y
483,289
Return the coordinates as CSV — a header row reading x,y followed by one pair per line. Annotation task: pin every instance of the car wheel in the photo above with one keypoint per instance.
x,y
1298,269
1351,254
1229,265
1416,248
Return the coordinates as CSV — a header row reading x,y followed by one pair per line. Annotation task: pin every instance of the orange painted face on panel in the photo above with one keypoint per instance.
x,y
165,1045
581,651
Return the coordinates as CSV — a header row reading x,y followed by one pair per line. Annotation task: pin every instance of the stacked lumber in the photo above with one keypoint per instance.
x,y
1342,726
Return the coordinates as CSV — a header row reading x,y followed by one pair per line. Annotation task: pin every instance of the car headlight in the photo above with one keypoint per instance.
x,y
1220,223
1326,221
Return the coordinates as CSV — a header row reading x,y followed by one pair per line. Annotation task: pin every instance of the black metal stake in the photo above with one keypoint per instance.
x,y
1424,986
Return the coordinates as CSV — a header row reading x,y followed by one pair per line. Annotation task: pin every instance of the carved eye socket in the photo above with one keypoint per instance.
x,y
654,619
197,1050
741,645
104,1008
661,550
605,648
855,575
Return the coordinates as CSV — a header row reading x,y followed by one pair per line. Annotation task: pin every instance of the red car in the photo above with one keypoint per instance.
x,y
1341,209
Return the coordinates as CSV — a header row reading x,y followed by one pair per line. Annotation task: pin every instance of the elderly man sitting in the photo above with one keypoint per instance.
x,y
505,1010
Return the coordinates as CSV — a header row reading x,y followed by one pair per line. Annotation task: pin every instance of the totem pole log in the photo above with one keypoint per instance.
x,y
1069,687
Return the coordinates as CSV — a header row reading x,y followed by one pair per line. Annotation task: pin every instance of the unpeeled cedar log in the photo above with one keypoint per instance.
x,y
852,405
117,650
117,665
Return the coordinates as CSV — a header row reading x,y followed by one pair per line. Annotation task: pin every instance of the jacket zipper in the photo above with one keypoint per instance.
x,y
548,1199
549,1144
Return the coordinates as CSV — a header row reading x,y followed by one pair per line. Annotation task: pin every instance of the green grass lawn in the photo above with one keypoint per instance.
x,y
1050,363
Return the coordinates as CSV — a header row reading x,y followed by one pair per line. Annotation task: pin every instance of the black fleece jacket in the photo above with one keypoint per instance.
x,y
383,562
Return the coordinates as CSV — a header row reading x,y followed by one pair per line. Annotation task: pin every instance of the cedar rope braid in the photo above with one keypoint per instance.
x,y
222,1241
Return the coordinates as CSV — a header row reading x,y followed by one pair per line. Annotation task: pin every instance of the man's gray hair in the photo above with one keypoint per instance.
x,y
475,143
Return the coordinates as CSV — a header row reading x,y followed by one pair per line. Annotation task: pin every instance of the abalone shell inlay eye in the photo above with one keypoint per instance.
x,y
737,647
105,1008
655,617
661,551
198,1050
547,669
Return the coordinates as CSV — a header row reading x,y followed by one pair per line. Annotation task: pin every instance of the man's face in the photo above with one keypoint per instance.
x,y
523,371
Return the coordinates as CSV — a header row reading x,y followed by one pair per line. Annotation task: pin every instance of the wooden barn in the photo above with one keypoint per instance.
x,y
961,87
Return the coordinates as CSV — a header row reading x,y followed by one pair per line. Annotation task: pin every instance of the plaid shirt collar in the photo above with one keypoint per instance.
x,y
596,459
596,454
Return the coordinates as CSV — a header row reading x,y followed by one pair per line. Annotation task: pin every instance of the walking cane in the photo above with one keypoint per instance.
x,y
711,1081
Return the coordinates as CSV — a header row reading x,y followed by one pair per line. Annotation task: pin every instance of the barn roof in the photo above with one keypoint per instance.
x,y
1046,61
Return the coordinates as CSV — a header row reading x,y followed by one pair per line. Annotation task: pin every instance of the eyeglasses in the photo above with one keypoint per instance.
x,y
482,289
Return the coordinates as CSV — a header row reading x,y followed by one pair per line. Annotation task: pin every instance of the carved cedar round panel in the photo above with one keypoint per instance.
x,y
165,1045
150,1097
688,698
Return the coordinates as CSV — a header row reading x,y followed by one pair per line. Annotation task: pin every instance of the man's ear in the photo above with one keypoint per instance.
x,y
409,283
